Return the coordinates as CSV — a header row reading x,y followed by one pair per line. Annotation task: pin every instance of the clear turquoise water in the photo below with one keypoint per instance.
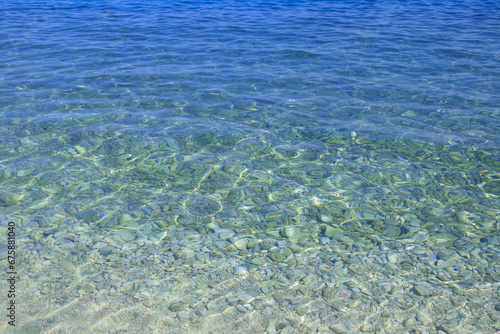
x,y
254,115
315,93
105,103
247,80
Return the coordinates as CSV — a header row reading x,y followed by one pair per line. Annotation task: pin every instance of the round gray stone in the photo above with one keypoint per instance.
x,y
422,290
239,270
339,328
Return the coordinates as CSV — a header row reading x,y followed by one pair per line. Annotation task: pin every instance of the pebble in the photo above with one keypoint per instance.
x,y
152,282
279,255
287,330
182,315
354,303
419,250
410,322
407,266
339,328
267,311
288,232
302,309
241,308
125,218
282,296
424,319
393,258
245,298
240,271
184,254
330,231
201,311
396,290
422,290
106,250
271,327
225,234
68,265
241,244
324,240
232,299
212,226
148,303
446,254
176,307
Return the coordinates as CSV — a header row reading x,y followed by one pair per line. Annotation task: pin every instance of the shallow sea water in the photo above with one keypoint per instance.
x,y
162,137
